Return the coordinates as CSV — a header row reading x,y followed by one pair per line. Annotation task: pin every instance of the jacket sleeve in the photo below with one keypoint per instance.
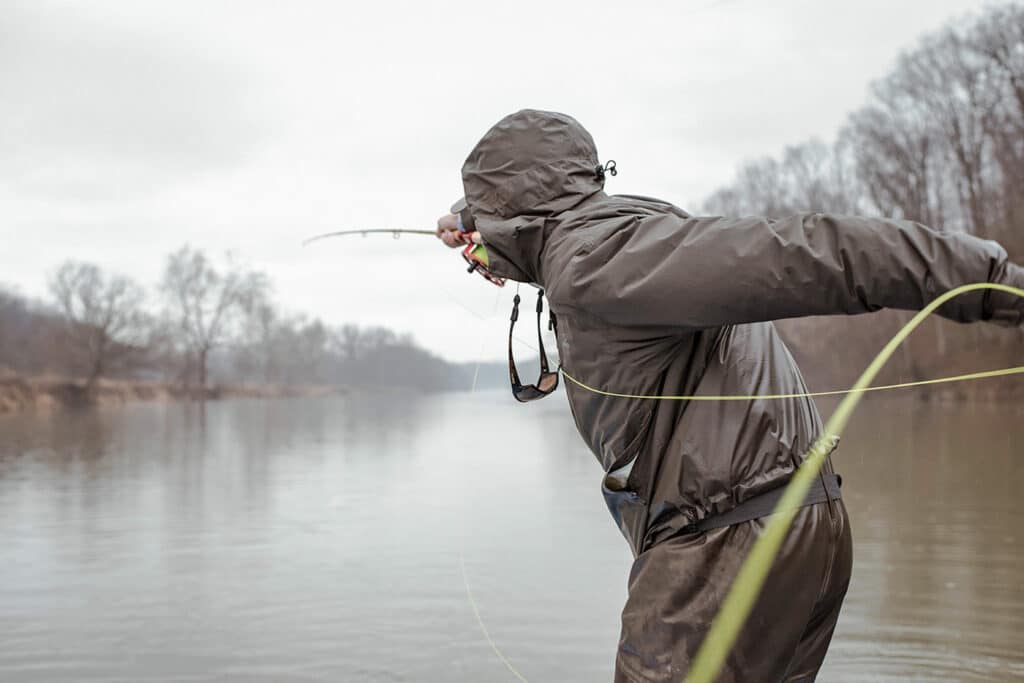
x,y
708,272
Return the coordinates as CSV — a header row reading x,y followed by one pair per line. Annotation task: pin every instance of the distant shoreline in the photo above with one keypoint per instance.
x,y
19,393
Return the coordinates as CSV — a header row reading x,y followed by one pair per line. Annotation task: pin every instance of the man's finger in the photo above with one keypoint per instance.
x,y
451,239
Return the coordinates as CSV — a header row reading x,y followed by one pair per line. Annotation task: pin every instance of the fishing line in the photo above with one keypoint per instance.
x,y
487,635
1003,372
458,302
748,582
462,559
747,585
476,375
483,340
710,5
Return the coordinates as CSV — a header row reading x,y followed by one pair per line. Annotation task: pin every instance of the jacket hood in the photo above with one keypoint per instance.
x,y
529,166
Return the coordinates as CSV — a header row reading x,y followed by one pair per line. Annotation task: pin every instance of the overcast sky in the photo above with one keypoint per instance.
x,y
130,128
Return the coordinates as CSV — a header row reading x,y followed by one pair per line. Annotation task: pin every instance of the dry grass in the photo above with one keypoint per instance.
x,y
48,392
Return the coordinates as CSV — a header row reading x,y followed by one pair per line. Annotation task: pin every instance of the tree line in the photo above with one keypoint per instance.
x,y
940,141
215,323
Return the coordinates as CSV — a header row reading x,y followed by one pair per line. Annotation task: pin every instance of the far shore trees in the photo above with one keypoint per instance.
x,y
104,318
940,141
207,304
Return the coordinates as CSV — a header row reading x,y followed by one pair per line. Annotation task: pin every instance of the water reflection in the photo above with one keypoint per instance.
x,y
937,584
320,540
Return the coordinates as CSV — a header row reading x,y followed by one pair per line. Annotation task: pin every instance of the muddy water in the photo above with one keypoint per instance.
x,y
325,540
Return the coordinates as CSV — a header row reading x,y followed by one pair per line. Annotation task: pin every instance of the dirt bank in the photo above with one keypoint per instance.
x,y
43,393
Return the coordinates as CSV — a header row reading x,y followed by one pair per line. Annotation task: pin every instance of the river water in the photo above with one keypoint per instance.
x,y
334,539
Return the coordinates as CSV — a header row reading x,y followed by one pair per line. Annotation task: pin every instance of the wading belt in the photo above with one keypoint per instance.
x,y
825,488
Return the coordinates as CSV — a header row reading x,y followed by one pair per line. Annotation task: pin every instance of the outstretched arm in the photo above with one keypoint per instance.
x,y
708,272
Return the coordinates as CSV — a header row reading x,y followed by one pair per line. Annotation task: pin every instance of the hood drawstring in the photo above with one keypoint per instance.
x,y
599,170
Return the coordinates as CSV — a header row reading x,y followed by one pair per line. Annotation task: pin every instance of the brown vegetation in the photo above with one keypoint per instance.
x,y
206,304
940,142
48,392
103,316
218,335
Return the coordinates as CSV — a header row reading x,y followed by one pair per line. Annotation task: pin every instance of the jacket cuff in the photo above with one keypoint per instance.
x,y
1004,308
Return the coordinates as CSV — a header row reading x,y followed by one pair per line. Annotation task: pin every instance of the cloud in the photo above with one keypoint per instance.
x,y
130,128
95,109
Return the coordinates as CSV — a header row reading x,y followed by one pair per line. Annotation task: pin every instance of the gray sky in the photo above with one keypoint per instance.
x,y
129,128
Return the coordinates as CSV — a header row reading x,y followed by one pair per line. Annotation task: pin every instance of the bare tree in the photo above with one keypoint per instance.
x,y
810,177
817,178
263,333
29,335
346,342
998,41
950,85
103,315
757,189
941,141
206,303
309,344
284,349
896,157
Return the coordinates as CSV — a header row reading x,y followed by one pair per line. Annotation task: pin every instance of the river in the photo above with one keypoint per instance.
x,y
334,539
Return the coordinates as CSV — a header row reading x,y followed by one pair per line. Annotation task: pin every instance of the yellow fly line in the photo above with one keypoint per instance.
x,y
1016,370
745,588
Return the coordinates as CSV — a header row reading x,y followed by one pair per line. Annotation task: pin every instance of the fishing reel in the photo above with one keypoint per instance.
x,y
476,256
474,252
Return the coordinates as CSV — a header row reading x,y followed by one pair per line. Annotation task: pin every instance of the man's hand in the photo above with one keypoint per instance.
x,y
1003,308
448,232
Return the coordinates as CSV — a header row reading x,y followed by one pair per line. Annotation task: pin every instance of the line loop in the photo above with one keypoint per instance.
x,y
748,582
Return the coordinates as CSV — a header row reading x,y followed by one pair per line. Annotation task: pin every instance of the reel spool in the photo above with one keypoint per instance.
x,y
476,256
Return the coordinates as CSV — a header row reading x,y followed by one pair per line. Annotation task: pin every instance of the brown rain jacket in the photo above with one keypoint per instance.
x,y
650,300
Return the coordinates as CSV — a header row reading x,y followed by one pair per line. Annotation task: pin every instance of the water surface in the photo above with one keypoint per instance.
x,y
325,540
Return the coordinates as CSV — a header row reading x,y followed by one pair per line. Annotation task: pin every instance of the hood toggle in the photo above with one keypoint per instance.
x,y
608,168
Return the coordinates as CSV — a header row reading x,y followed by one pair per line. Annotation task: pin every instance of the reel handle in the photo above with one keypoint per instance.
x,y
475,255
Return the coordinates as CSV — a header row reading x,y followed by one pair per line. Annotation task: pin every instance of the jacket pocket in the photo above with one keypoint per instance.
x,y
628,509
621,488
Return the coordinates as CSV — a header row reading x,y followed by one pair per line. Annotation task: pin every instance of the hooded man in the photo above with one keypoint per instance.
x,y
649,300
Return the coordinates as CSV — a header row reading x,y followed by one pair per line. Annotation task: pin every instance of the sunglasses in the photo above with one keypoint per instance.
x,y
548,380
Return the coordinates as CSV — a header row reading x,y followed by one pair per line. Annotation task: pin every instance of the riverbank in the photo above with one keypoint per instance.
x,y
19,393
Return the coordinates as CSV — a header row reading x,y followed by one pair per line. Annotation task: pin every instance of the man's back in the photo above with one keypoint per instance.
x,y
686,460
651,302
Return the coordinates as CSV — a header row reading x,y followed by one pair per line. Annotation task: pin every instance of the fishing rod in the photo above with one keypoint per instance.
x,y
393,231
474,253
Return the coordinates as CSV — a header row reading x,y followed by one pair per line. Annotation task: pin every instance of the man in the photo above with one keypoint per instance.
x,y
651,301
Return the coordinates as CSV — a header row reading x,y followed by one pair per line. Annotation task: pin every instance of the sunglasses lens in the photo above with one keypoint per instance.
x,y
528,393
548,382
